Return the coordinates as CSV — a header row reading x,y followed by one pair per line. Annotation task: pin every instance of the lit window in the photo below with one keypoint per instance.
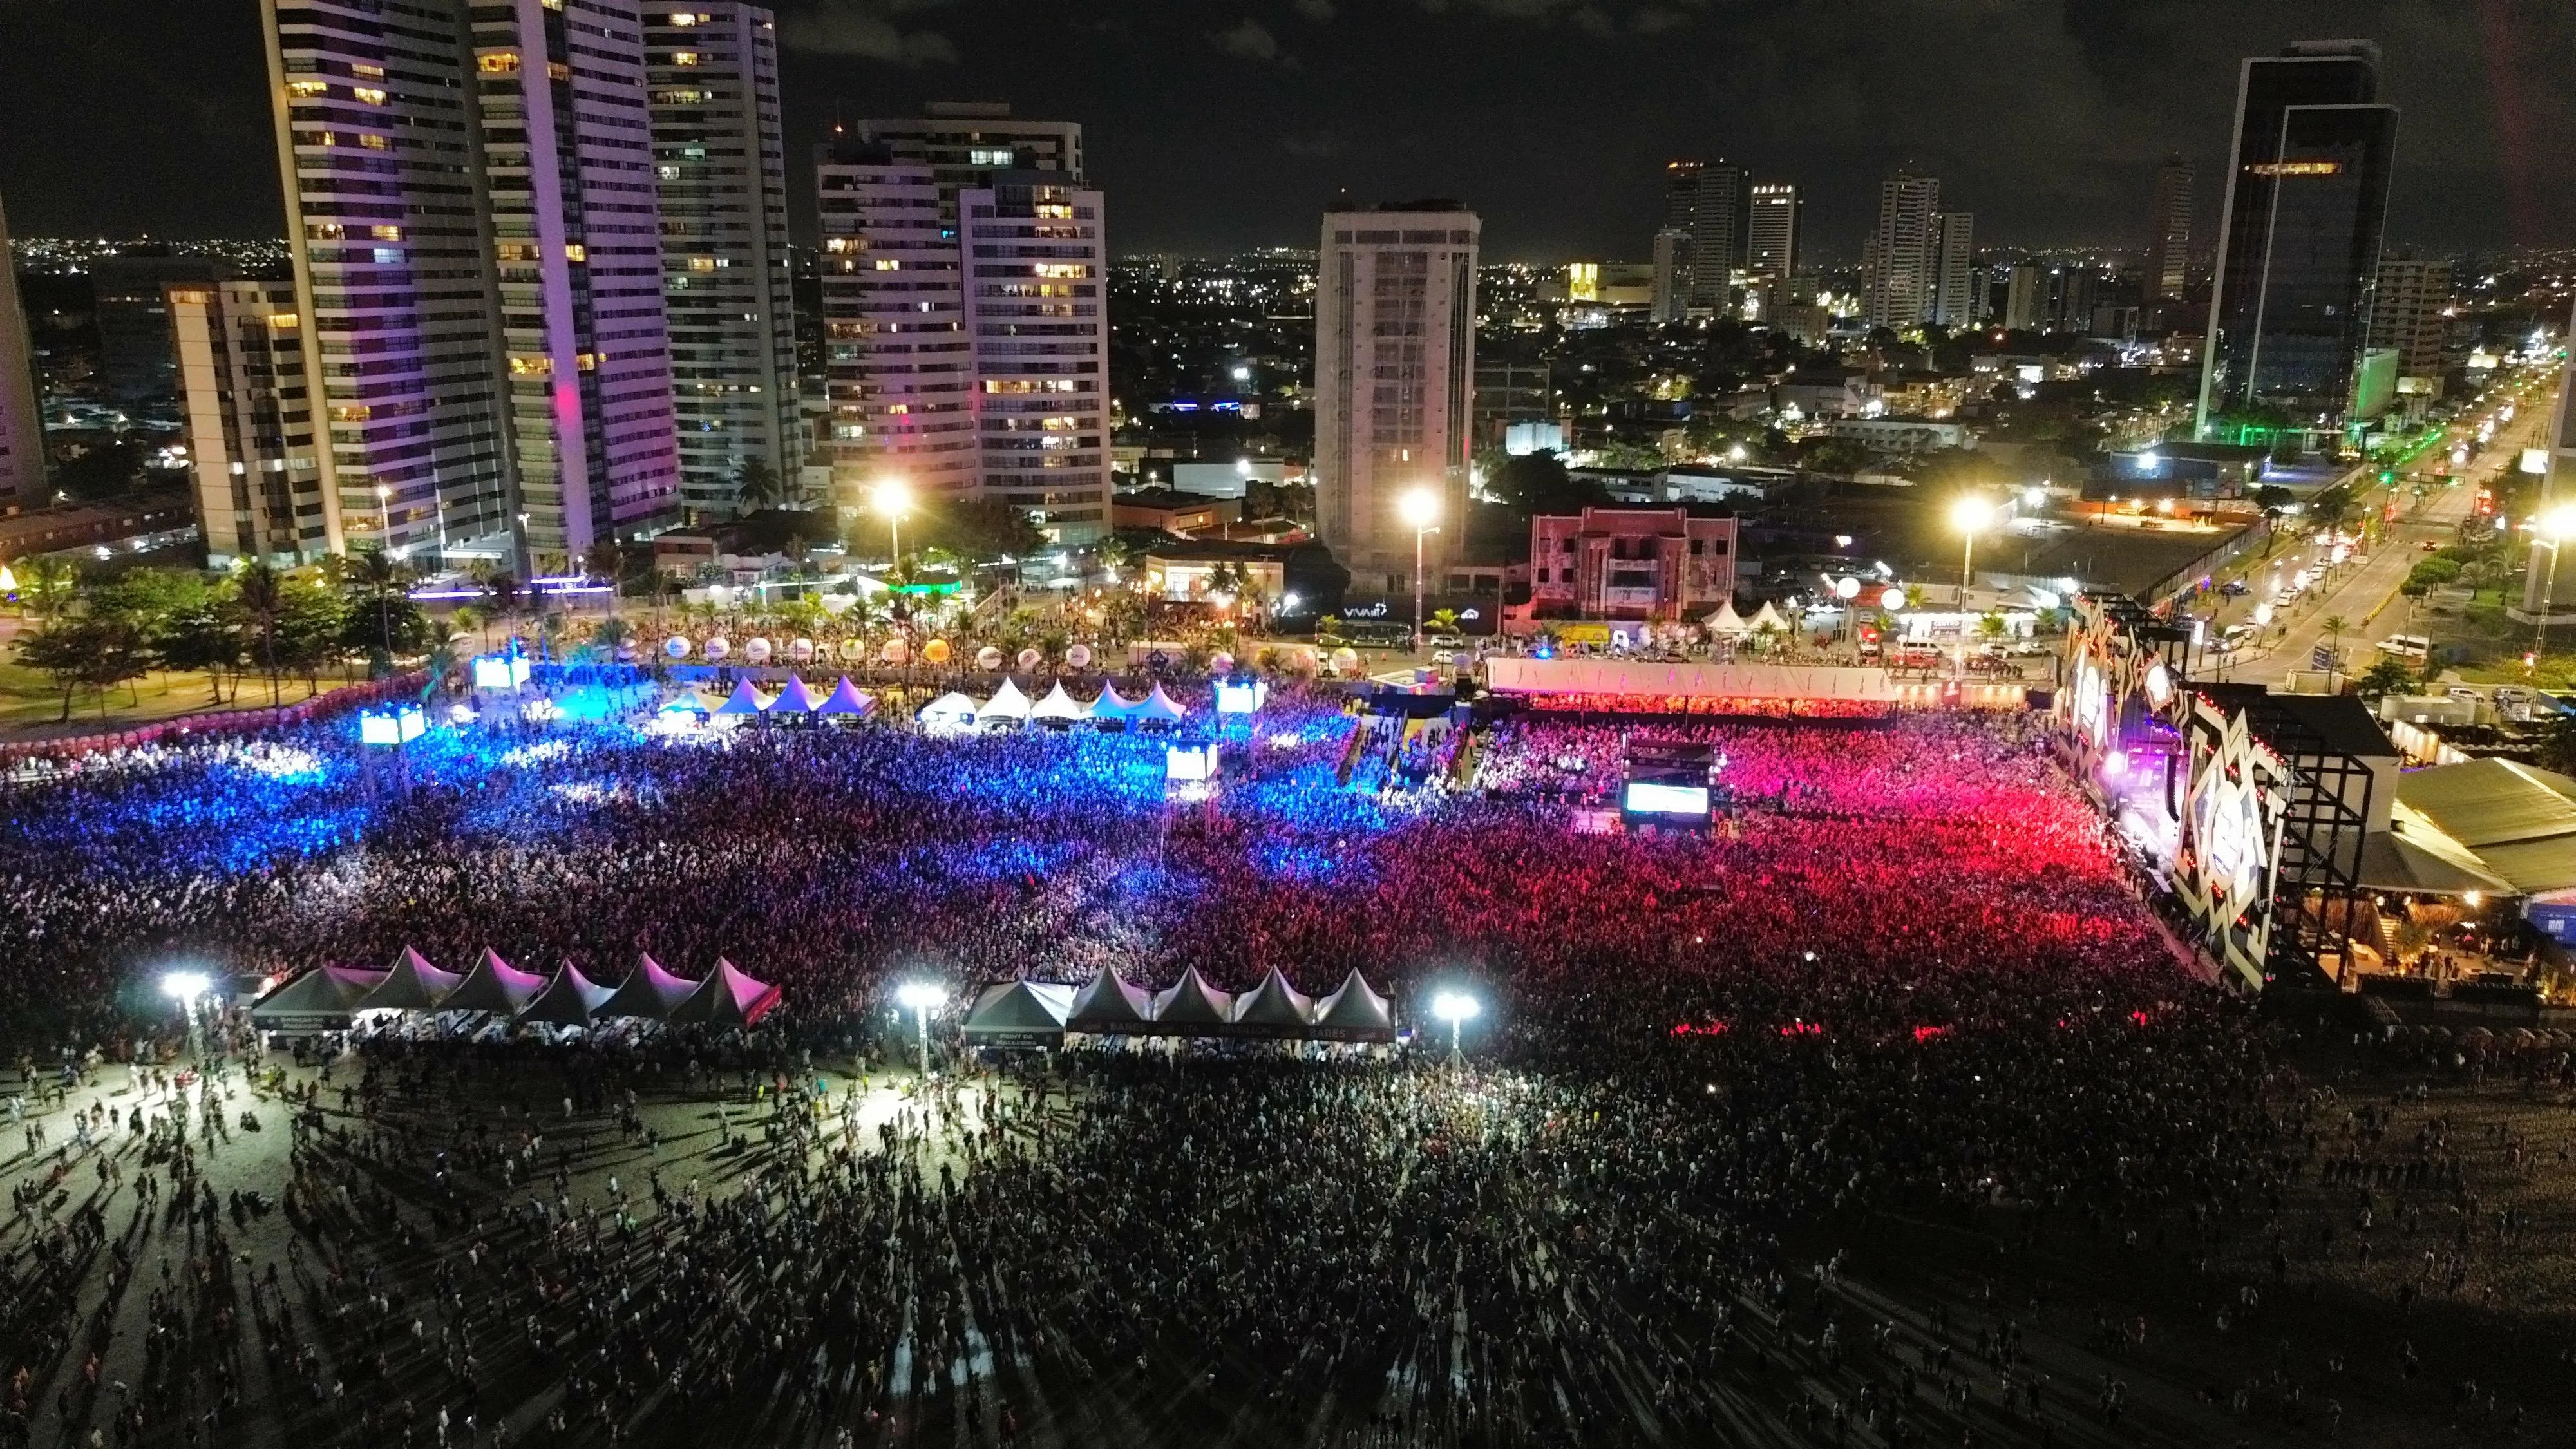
x,y
576,252
702,264
889,264
532,367
371,72
516,251
305,89
683,17
368,94
684,57
586,361
374,142
557,70
995,156
498,62
385,233
388,256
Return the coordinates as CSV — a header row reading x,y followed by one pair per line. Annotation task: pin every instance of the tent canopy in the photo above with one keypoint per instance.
x,y
1019,1009
1767,617
1355,1013
412,985
648,992
793,699
743,700
689,701
494,985
571,999
1726,620
1007,703
1274,1003
1115,706
1159,706
320,997
950,708
1109,1004
1192,1002
1057,705
846,699
726,998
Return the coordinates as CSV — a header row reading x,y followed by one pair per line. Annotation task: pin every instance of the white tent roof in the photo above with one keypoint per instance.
x,y
743,700
689,701
412,985
1354,1010
1109,1004
950,706
1113,705
1159,706
1768,617
1726,620
1007,703
1019,1009
846,699
648,991
1058,705
793,699
322,996
494,985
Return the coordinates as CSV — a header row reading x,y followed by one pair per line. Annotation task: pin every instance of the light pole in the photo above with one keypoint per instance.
x,y
385,514
1971,515
893,498
1420,510
923,998
1455,1008
2554,530
185,987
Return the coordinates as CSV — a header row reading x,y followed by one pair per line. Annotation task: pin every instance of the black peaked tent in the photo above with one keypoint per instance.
x,y
1108,1006
1191,1007
648,992
320,998
1273,1008
494,985
412,985
1354,1013
571,999
1018,1011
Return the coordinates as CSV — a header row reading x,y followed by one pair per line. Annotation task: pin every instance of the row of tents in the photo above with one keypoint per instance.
x,y
333,996
794,698
1024,1012
1010,706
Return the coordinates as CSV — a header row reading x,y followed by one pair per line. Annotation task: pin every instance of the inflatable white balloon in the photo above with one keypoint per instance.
x,y
893,652
1079,656
1346,658
718,647
801,650
988,658
677,647
1031,659
853,651
757,650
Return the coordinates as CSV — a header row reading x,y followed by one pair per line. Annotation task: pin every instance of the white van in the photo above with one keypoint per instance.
x,y
2406,646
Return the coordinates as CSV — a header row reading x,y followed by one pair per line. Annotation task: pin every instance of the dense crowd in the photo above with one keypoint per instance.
x,y
1909,973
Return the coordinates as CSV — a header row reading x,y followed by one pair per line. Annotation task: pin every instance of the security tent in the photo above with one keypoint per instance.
x,y
951,709
1058,706
1191,1007
1274,1008
743,700
1007,703
846,699
793,699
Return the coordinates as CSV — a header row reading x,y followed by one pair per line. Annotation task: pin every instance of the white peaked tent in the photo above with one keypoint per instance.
x,y
1726,620
1022,1011
846,699
744,700
1109,1006
689,701
793,699
951,708
1191,1007
1159,708
1355,1013
320,998
571,999
1007,703
1767,617
727,998
494,985
648,992
1057,705
1113,706
412,985
1274,1006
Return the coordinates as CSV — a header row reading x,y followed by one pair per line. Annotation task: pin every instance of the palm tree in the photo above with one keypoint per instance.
x,y
259,591
376,573
503,590
756,485
606,562
46,586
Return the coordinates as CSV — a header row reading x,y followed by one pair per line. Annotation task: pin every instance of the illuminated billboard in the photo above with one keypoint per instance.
x,y
1681,802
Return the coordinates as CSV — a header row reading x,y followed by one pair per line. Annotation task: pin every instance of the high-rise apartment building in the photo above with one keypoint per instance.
x,y
22,427
1395,359
720,173
1771,235
251,443
2299,236
1710,205
2410,316
130,305
1671,302
1954,294
964,281
478,271
2168,236
2026,298
1904,248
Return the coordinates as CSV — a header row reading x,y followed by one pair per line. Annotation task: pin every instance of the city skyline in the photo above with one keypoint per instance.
x,y
1255,121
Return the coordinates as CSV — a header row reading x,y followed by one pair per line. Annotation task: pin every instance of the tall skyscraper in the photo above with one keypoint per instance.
x,y
1671,301
478,272
720,171
2409,315
2026,298
964,289
130,304
1954,297
1904,248
1771,236
2168,237
251,446
2299,237
1395,357
1710,204
22,427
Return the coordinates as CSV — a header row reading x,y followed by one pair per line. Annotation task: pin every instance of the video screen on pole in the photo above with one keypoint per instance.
x,y
1681,801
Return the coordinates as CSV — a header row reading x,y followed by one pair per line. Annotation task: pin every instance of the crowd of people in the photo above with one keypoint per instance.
x,y
1918,981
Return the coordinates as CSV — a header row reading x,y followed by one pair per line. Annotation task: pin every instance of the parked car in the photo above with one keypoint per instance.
x,y
2235,589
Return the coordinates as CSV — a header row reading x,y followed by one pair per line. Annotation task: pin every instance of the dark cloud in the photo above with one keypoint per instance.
x,y
1247,39
1319,11
866,29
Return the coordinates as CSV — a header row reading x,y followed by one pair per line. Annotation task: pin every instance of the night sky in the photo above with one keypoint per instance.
x,y
1222,123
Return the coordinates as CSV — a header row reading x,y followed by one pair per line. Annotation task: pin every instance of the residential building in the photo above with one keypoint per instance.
x,y
959,385
1954,293
1778,216
478,272
2299,238
22,428
2410,316
1710,205
129,523
2026,300
1172,512
1904,249
1509,393
2168,237
1671,299
1903,435
1395,357
1631,563
720,181
252,450
136,363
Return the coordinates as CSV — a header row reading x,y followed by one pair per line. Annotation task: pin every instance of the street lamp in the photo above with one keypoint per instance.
x,y
923,998
385,514
1455,1008
1420,510
893,498
2554,528
1971,515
